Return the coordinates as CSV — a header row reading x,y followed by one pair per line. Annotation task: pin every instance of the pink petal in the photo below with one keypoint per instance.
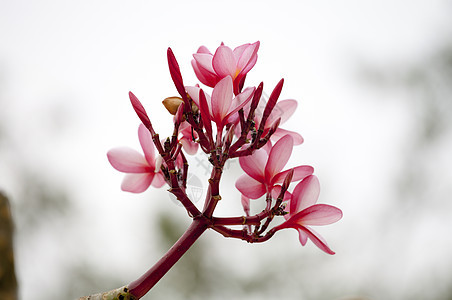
x,y
248,58
246,205
239,102
158,180
147,145
278,157
221,99
305,194
189,146
253,165
280,132
302,236
317,239
318,214
224,62
128,160
299,173
283,109
193,91
203,49
137,183
238,51
204,76
249,187
277,190
204,62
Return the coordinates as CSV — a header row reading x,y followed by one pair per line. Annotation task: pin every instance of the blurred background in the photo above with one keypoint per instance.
x,y
374,85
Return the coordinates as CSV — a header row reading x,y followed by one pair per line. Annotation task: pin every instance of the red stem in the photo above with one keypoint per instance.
x,y
142,285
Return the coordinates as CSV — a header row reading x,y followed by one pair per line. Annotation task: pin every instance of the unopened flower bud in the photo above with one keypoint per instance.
x,y
172,104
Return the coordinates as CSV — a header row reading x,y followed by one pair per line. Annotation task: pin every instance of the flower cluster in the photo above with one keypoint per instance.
x,y
229,122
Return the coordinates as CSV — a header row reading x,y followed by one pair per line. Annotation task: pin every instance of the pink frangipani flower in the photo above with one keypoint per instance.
x,y
142,170
210,69
303,212
222,106
263,169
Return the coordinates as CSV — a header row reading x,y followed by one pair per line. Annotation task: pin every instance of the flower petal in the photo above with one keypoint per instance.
x,y
221,99
204,62
127,160
283,109
249,187
147,145
193,91
253,165
280,132
224,62
241,100
299,173
189,146
137,183
158,180
248,58
277,190
246,205
317,239
318,214
204,76
278,157
305,194
302,236
203,49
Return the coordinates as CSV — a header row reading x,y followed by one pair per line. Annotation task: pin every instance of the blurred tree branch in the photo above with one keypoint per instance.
x,y
8,282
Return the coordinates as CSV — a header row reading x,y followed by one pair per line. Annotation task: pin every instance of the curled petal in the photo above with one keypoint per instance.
x,y
278,157
302,236
249,187
137,183
318,214
280,132
299,173
127,160
317,239
147,145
